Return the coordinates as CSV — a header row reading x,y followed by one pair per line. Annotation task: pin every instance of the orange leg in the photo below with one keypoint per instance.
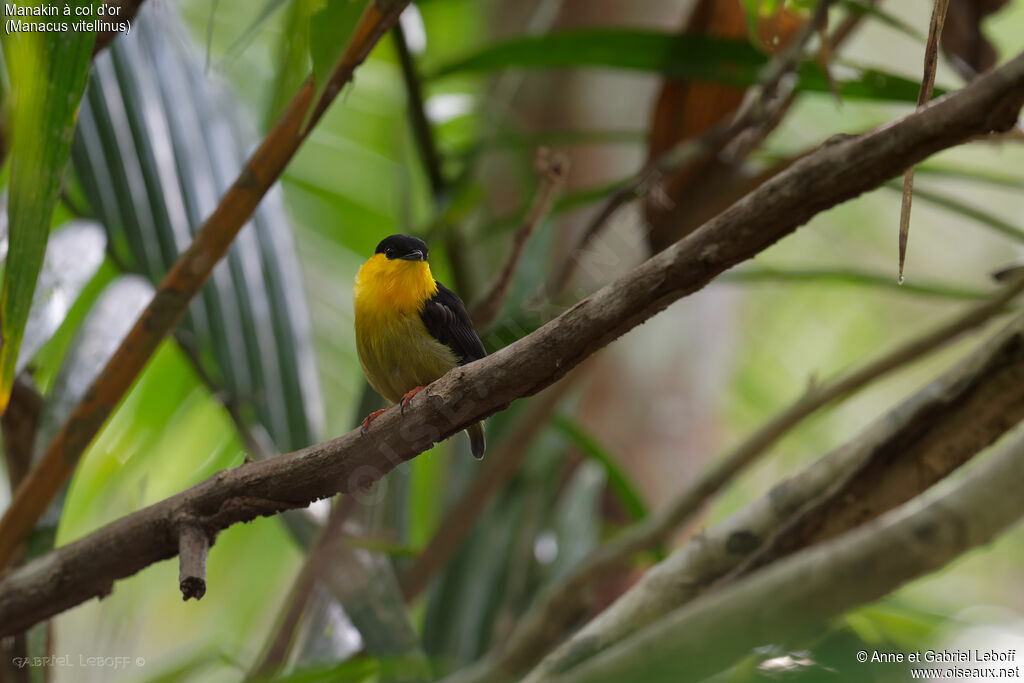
x,y
407,399
371,417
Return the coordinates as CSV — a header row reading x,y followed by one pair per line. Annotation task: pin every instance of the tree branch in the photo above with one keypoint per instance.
x,y
978,390
552,169
834,173
193,547
430,156
991,400
18,426
422,131
795,596
183,282
567,600
931,62
275,652
762,106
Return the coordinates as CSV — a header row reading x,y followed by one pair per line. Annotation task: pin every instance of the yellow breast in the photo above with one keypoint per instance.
x,y
395,348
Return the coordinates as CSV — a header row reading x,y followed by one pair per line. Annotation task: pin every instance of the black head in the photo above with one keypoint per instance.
x,y
403,247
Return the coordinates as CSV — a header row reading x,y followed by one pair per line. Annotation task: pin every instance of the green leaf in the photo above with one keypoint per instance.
x,y
466,597
619,481
677,56
364,584
187,667
331,23
980,175
890,20
752,11
156,147
47,362
270,7
107,322
292,61
852,276
73,256
697,57
964,209
348,671
49,71
892,621
578,517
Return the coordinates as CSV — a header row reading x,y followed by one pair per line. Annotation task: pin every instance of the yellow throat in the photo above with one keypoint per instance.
x,y
387,287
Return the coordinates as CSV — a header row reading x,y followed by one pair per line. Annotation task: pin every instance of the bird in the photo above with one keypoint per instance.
x,y
410,329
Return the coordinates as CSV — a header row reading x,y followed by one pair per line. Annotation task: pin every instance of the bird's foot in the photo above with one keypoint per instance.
x,y
407,399
370,418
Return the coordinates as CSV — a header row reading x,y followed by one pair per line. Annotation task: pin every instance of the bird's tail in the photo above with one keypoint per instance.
x,y
477,442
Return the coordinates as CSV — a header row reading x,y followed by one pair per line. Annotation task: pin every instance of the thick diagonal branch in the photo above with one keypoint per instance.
x,y
832,174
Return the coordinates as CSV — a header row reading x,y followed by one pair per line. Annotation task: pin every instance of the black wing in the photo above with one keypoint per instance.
x,y
446,319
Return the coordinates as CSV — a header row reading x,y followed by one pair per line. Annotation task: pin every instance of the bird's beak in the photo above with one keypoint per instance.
x,y
414,255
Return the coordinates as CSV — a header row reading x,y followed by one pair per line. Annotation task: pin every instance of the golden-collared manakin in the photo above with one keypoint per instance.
x,y
410,329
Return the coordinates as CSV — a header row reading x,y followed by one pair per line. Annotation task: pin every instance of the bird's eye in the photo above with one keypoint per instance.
x,y
389,252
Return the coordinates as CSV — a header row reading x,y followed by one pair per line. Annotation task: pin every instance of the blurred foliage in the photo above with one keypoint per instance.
x,y
163,131
48,71
156,146
678,56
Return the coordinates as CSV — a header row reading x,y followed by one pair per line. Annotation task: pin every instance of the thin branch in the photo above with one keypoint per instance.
x,y
746,143
422,131
763,105
183,282
786,63
14,651
794,597
193,547
552,168
931,61
19,425
983,390
461,517
681,155
833,174
567,600
889,479
280,641
426,144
